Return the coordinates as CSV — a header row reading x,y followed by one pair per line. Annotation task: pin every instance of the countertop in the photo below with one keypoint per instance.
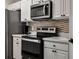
x,y
50,39
19,35
57,39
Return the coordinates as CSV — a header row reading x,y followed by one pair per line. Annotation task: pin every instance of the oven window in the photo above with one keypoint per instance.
x,y
31,47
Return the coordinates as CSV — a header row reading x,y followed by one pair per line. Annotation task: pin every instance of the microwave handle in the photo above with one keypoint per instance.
x,y
44,9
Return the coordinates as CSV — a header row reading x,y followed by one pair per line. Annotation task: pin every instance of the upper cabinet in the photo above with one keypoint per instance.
x,y
25,10
61,9
14,6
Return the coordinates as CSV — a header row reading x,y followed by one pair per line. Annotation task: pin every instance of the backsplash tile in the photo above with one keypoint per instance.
x,y
62,25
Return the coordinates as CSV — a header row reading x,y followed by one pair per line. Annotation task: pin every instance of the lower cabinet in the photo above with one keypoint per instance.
x,y
48,54
54,54
17,48
61,55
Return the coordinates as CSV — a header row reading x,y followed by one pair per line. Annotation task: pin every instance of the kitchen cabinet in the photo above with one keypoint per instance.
x,y
54,50
17,48
61,9
60,55
54,54
48,54
14,6
25,10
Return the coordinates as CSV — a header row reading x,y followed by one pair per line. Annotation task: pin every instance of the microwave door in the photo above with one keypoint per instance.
x,y
41,11
38,12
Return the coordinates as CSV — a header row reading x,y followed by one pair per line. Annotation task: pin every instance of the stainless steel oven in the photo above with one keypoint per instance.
x,y
32,48
41,11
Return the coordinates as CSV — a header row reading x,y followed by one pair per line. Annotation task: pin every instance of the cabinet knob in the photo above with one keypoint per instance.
x,y
25,19
55,51
54,45
52,50
63,14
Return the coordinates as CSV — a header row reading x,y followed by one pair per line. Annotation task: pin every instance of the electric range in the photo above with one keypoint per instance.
x,y
32,45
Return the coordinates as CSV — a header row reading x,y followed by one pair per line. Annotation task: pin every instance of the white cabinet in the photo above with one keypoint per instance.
x,y
25,10
14,6
61,9
17,48
67,7
60,55
54,50
54,54
48,54
56,8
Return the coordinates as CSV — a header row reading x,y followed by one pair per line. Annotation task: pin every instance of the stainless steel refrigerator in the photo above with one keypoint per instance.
x,y
12,26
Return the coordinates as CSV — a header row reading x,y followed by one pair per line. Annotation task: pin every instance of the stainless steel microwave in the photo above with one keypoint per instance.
x,y
41,11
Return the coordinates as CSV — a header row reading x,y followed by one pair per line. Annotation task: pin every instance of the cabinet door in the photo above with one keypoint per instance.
x,y
56,8
17,48
60,55
25,10
67,7
14,48
48,54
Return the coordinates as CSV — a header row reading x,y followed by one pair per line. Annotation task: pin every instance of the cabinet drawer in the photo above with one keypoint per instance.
x,y
16,39
60,46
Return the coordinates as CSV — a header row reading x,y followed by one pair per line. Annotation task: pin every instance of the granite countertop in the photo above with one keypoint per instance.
x,y
57,39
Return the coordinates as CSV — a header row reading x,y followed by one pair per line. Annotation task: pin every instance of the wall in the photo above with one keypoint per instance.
x,y
62,25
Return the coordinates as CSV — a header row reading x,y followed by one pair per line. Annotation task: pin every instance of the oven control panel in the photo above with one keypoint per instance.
x,y
46,29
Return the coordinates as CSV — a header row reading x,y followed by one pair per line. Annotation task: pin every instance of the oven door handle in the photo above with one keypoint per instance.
x,y
32,40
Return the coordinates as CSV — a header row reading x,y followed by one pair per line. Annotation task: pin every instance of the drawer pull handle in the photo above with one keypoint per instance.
x,y
52,50
17,43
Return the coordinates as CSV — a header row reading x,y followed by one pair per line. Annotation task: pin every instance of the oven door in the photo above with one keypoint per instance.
x,y
31,46
41,11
